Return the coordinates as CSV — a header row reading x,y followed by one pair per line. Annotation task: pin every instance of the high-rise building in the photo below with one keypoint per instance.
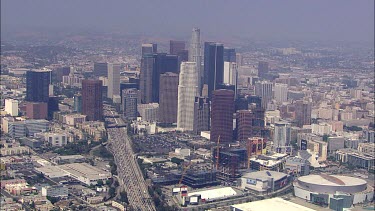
x,y
187,91
168,98
183,56
201,115
101,69
145,78
59,72
36,110
281,93
129,103
37,85
77,104
152,65
250,123
11,107
229,55
53,106
149,48
92,102
176,46
222,109
149,112
303,113
231,74
262,68
213,65
113,80
264,90
282,134
196,56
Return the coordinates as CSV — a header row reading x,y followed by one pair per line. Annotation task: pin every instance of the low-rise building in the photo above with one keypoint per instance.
x,y
85,173
13,149
95,129
55,191
355,158
56,139
273,162
143,127
297,165
262,182
74,119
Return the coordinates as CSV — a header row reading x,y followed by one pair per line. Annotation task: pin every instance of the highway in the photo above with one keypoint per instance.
x,y
127,166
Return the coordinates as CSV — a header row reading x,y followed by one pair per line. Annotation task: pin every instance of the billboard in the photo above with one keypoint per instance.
x,y
251,181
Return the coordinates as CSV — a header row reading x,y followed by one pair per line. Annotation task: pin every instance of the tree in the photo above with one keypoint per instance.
x,y
112,192
99,183
124,197
325,137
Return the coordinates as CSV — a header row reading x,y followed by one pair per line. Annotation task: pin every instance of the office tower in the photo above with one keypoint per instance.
x,y
149,48
213,65
196,56
281,93
183,56
250,123
77,103
262,69
36,110
152,65
101,69
229,55
201,115
92,102
37,85
11,107
176,46
113,80
303,113
239,59
53,106
149,112
59,72
145,77
163,63
222,109
264,90
129,103
282,134
254,100
241,103
230,73
187,91
168,98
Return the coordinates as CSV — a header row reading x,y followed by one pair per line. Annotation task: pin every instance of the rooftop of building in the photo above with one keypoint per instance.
x,y
278,204
215,193
85,170
332,180
265,175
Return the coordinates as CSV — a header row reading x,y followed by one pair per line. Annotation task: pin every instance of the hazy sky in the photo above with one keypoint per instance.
x,y
343,20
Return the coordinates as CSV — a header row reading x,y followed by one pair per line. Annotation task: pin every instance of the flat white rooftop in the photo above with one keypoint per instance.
x,y
52,171
85,170
216,193
278,204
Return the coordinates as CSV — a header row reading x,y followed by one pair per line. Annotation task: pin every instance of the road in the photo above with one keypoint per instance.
x,y
127,166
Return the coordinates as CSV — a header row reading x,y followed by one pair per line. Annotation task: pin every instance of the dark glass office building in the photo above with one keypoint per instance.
x,y
92,102
37,85
213,65
222,109
168,98
229,55
101,69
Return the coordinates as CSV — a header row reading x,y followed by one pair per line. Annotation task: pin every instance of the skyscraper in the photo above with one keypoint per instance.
x,y
101,69
129,103
231,74
37,85
281,93
176,46
222,115
250,123
113,80
201,115
282,134
148,48
229,55
168,98
187,91
196,56
264,90
262,68
92,102
303,113
77,104
213,65
152,65
145,77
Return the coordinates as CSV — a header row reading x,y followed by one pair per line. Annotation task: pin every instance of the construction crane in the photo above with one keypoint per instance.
x,y
183,173
217,153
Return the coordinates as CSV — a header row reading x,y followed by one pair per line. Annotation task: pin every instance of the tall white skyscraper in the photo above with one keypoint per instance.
x,y
196,56
282,134
187,91
113,80
264,90
230,73
281,93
